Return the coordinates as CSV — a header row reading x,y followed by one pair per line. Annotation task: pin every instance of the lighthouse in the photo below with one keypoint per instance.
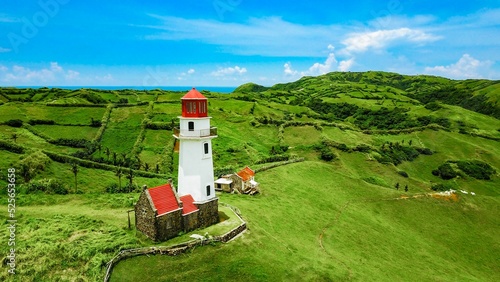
x,y
196,171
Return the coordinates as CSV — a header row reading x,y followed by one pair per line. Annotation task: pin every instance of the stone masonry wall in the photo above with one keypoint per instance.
x,y
145,217
190,221
208,213
169,225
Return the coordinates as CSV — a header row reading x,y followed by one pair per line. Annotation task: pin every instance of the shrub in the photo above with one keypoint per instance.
x,y
433,106
442,187
41,121
403,173
113,188
11,147
362,148
14,122
424,151
327,154
445,171
32,164
47,186
476,169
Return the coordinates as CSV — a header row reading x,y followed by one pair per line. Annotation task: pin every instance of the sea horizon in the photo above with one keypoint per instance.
x,y
221,89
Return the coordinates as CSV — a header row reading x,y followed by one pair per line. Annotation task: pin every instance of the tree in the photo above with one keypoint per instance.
x,y
397,186
130,178
114,158
139,162
146,166
406,188
107,152
14,137
119,173
74,169
410,142
157,168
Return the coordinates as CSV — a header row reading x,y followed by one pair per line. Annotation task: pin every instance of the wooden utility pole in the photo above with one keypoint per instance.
x,y
128,214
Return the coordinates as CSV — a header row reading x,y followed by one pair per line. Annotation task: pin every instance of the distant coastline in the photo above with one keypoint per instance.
x,y
221,89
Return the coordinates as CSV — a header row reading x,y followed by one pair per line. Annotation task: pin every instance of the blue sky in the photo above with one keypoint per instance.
x,y
230,42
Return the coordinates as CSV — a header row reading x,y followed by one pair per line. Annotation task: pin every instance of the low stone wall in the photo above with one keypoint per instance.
x,y
179,248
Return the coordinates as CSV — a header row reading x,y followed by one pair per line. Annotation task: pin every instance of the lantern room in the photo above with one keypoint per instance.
x,y
194,104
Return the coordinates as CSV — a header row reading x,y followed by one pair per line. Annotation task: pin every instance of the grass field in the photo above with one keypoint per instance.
x,y
349,231
69,132
313,221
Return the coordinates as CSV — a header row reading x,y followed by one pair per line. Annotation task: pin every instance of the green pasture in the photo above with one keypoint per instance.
x,y
336,227
70,132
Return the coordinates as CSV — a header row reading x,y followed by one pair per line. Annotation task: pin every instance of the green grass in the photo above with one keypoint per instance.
x,y
70,132
56,242
362,241
313,221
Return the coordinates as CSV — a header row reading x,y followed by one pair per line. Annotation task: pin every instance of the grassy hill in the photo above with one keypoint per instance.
x,y
336,216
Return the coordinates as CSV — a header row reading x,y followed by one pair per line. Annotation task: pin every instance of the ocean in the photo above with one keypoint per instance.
x,y
221,89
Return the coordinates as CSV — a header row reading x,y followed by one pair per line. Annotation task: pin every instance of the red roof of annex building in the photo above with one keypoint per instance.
x,y
246,173
187,204
194,94
163,199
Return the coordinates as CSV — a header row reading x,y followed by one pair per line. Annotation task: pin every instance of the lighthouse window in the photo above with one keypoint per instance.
x,y
191,126
205,147
208,190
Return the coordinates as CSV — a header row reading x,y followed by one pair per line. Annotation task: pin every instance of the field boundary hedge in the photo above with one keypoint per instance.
x,y
91,164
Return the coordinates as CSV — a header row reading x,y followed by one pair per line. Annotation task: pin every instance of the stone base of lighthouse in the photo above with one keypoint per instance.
x,y
208,213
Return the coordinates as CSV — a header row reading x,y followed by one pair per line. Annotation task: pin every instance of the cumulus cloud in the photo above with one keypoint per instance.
x,y
190,71
330,64
288,69
346,64
465,67
229,71
25,75
361,42
322,68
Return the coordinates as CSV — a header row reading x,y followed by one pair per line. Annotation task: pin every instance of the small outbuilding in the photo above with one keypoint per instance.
x,y
240,182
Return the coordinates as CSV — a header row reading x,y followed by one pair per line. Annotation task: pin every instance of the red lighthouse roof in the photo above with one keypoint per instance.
x,y
194,104
194,94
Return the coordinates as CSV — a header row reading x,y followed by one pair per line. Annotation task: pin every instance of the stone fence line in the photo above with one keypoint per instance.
x,y
179,248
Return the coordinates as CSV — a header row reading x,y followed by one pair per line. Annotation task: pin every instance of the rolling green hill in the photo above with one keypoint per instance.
x,y
362,206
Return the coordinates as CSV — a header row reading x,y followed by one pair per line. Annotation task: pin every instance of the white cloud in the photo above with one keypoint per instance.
x,y
346,64
318,68
361,42
104,79
330,64
288,69
229,71
466,67
4,50
24,75
54,66
72,75
190,71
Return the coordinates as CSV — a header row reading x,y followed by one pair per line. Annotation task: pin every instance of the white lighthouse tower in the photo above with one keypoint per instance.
x,y
196,171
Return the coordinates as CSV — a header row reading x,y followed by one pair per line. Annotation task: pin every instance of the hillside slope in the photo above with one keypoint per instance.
x,y
376,146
